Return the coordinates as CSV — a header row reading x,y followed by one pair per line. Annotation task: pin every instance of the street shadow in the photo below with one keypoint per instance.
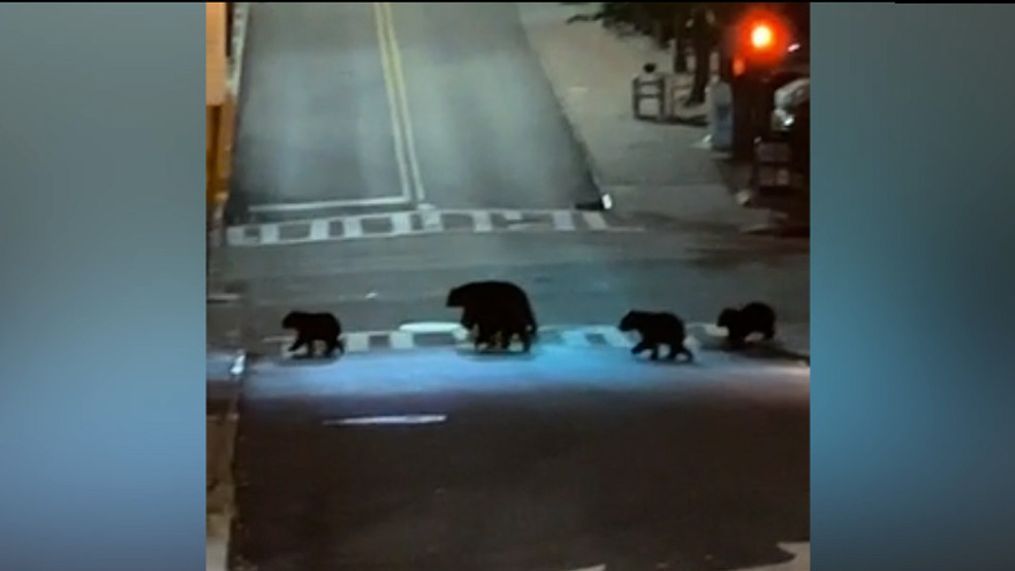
x,y
303,360
772,350
497,354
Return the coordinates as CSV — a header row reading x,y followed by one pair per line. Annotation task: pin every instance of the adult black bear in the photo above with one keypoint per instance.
x,y
313,327
755,317
657,328
496,308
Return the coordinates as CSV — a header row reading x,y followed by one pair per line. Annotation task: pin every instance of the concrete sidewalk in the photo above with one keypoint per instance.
x,y
646,167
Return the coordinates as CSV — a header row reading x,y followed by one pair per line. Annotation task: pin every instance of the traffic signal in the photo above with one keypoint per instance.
x,y
763,39
762,36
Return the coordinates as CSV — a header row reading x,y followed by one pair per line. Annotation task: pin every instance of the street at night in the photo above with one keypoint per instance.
x,y
386,153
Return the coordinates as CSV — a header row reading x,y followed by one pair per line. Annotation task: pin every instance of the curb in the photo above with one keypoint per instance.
x,y
241,21
605,200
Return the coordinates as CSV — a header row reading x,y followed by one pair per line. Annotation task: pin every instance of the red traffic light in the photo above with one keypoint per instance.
x,y
762,36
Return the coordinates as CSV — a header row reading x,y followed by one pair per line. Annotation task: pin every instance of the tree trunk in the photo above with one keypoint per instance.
x,y
679,44
702,69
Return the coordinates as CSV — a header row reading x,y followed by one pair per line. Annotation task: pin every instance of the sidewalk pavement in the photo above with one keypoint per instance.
x,y
645,167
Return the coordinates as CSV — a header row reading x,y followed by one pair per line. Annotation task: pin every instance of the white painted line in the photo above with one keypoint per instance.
x,y
235,235
432,221
595,220
575,338
615,337
322,204
481,221
511,215
401,223
387,420
593,568
357,342
269,234
223,297
319,229
563,220
430,327
401,340
352,227
380,17
399,84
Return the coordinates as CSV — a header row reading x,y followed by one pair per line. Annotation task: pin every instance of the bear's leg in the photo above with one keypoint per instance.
x,y
299,342
639,348
332,345
655,352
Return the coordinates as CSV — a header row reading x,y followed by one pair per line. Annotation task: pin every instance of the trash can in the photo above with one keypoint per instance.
x,y
719,96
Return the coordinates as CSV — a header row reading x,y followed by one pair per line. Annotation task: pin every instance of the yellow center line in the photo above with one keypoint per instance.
x,y
399,80
393,107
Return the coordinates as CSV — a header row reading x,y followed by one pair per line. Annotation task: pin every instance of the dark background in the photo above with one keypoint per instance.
x,y
101,229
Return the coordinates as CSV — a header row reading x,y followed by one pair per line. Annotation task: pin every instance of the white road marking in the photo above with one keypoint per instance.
x,y
380,17
615,337
400,91
430,327
432,220
387,419
323,204
481,221
235,235
593,568
401,223
319,230
563,220
401,340
357,342
595,221
269,234
576,338
352,227
432,223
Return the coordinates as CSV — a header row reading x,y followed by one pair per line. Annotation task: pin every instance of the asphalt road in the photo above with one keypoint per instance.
x,y
354,105
568,458
564,460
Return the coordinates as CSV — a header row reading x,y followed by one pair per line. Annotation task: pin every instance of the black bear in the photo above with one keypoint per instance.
x,y
313,327
657,328
755,317
495,308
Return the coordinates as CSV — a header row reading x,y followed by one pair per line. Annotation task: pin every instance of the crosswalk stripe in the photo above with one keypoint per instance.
x,y
563,220
269,234
357,342
595,220
319,229
433,221
576,338
482,222
401,223
401,340
353,227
